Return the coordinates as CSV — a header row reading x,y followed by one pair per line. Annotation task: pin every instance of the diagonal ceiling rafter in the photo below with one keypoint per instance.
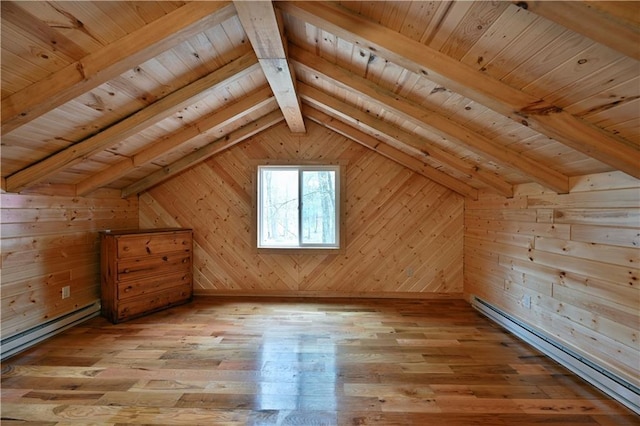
x,y
360,119
204,152
112,60
436,122
226,115
608,22
465,80
314,113
144,118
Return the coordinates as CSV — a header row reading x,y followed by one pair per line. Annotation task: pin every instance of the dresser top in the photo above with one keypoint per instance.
x,y
144,231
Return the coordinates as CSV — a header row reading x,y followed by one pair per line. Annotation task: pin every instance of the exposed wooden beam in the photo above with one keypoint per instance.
x,y
467,81
203,153
142,119
612,23
424,148
226,115
389,151
436,122
265,33
352,117
111,61
51,37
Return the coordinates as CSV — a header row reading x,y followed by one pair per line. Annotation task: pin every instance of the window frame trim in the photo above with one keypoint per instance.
x,y
341,187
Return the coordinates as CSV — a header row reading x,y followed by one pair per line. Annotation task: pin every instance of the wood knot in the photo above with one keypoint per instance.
x,y
537,109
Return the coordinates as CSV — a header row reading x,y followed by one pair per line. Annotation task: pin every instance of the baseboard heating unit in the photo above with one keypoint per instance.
x,y
616,387
11,345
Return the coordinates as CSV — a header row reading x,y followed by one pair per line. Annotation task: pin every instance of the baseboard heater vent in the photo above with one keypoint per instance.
x,y
10,346
613,385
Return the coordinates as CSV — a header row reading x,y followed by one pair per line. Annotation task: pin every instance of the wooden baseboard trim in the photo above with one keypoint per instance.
x,y
328,294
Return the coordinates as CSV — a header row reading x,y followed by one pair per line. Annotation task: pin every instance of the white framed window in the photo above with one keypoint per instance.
x,y
298,207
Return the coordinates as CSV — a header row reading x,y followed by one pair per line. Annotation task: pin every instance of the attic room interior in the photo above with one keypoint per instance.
x,y
466,253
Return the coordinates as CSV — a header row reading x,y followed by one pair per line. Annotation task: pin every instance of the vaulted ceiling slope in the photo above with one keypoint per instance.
x,y
476,95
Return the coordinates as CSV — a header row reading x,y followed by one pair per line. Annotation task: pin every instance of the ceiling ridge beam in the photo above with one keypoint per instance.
x,y
136,122
110,61
436,122
412,163
519,106
264,29
226,115
204,152
607,23
358,118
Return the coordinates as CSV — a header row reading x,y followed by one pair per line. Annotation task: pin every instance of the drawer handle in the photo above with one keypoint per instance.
x,y
128,289
165,258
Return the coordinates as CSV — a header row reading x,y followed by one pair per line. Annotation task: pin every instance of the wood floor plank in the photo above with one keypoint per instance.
x,y
241,361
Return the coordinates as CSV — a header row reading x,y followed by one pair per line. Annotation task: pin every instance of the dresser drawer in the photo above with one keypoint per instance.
x,y
135,288
133,269
153,244
137,306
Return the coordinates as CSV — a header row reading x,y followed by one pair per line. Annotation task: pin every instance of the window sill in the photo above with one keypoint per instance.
x,y
301,251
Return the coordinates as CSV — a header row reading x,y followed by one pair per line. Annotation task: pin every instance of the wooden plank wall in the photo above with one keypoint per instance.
x,y
49,242
404,232
577,257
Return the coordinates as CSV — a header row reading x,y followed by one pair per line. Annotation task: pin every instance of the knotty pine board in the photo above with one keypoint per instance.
x,y
404,232
49,242
577,255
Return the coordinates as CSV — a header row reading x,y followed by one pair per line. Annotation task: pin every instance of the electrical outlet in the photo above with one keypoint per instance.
x,y
526,301
409,271
66,291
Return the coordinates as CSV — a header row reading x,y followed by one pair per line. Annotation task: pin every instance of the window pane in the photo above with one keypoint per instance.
x,y
279,207
318,207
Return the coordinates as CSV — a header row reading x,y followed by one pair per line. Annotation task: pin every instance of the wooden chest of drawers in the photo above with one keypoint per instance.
x,y
145,271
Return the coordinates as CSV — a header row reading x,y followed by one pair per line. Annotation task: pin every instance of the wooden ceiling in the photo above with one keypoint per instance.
x,y
474,95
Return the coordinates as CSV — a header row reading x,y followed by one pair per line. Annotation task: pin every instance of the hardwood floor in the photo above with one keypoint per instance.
x,y
298,362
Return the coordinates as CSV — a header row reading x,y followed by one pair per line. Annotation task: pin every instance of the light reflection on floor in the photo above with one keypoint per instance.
x,y
297,374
